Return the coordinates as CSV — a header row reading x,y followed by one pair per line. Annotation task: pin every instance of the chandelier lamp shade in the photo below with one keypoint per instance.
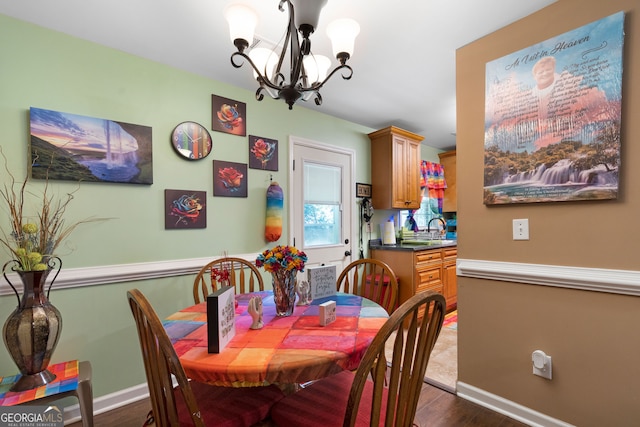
x,y
307,72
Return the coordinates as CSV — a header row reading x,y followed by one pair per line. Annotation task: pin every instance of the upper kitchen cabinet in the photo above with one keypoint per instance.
x,y
395,169
448,161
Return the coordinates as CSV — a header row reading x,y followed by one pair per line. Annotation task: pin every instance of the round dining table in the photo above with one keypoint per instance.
x,y
285,351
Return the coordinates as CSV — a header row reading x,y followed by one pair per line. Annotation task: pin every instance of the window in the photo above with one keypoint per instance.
x,y
428,210
322,205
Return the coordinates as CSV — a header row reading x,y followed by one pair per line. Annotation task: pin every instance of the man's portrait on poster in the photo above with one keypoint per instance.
x,y
552,118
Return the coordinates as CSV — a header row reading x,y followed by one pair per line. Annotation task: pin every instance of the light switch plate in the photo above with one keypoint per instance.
x,y
521,229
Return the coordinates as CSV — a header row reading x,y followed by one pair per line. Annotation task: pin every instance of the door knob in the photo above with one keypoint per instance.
x,y
347,253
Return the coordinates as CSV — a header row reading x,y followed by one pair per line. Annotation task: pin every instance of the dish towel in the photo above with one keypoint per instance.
x,y
433,180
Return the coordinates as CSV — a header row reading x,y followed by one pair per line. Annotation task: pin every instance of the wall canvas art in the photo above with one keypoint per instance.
x,y
79,148
228,115
263,153
229,179
552,118
185,209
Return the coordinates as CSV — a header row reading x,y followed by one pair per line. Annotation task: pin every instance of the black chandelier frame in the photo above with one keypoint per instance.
x,y
298,86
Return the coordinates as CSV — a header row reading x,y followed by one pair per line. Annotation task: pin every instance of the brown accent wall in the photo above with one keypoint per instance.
x,y
592,337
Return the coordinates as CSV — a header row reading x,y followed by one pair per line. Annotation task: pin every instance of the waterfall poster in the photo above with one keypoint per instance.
x,y
552,118
79,148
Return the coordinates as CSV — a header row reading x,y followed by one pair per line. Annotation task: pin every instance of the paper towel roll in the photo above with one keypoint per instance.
x,y
388,234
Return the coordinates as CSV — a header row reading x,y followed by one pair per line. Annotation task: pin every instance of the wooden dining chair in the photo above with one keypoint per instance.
x,y
243,275
190,403
377,394
372,279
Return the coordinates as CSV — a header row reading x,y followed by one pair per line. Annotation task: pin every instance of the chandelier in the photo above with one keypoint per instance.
x,y
307,71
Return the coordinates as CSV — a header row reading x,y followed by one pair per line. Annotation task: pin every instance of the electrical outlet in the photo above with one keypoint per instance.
x,y
541,364
521,229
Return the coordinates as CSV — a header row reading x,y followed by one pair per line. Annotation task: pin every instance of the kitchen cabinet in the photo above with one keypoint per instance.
x,y
449,278
395,169
421,270
448,160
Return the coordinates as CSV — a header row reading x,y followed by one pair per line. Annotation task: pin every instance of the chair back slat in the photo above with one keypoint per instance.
x,y
244,276
371,279
161,363
416,324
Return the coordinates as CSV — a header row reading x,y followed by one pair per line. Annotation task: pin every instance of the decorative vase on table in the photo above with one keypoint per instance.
x,y
32,331
283,262
284,291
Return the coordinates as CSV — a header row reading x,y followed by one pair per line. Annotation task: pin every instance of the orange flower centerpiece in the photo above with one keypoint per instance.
x,y
283,262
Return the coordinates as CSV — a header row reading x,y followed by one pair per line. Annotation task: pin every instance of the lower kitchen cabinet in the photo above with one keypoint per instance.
x,y
421,270
449,278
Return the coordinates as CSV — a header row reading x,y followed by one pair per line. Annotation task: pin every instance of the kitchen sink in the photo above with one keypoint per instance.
x,y
427,242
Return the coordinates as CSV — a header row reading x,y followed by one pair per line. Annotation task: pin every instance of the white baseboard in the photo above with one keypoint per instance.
x,y
109,402
507,407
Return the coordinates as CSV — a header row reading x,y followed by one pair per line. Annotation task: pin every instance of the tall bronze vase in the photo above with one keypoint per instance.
x,y
32,331
284,291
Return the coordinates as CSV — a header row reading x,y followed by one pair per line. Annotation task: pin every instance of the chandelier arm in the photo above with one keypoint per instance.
x,y
279,80
318,99
298,44
293,41
340,67
261,78
284,47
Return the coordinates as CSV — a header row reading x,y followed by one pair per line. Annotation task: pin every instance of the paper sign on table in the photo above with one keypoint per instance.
x,y
221,321
322,280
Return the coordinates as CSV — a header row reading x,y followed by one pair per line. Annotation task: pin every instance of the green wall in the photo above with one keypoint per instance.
x,y
50,70
53,71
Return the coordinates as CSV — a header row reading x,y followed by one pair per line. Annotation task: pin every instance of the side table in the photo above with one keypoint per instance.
x,y
73,378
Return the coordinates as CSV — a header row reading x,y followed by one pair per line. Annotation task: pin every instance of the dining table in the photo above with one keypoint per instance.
x,y
289,350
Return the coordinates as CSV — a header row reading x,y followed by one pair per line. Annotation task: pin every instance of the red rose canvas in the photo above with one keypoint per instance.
x,y
263,153
229,179
228,115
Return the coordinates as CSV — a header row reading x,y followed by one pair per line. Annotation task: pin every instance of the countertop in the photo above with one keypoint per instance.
x,y
413,247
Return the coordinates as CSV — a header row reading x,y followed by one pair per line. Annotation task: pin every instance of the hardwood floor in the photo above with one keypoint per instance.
x,y
436,408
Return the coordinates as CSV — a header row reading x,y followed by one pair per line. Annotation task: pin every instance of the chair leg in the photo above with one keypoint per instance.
x,y
85,393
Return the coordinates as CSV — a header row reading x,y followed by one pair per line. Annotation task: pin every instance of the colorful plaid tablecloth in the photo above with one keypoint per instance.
x,y
287,350
66,380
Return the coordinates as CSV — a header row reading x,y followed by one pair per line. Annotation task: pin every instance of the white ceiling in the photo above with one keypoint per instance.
x,y
404,59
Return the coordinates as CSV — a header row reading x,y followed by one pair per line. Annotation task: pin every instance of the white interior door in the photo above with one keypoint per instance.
x,y
321,192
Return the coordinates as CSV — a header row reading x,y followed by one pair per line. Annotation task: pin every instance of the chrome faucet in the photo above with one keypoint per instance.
x,y
444,223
